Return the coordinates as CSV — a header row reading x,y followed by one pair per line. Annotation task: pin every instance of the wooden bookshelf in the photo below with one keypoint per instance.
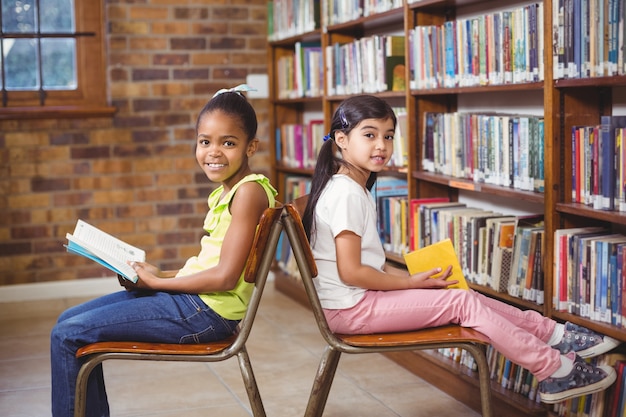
x,y
565,102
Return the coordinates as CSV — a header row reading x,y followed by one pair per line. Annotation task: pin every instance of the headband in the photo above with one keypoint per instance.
x,y
238,89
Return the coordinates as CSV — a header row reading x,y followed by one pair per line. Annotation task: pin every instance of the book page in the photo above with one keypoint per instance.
x,y
113,251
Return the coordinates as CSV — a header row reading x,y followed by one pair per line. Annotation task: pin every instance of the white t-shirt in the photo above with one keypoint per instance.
x,y
343,205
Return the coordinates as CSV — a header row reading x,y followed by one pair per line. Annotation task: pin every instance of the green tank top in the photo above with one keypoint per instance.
x,y
231,304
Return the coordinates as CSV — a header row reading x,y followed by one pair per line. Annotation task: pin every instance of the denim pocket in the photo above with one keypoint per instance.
x,y
208,326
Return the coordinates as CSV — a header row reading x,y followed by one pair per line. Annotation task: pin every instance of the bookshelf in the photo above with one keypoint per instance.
x,y
561,101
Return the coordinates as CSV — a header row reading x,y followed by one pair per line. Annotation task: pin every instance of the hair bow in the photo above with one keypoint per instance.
x,y
238,89
344,121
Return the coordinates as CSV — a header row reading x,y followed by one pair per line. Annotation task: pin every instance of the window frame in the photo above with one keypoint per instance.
x,y
90,96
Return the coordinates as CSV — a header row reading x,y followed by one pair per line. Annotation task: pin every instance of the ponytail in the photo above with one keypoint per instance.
x,y
327,165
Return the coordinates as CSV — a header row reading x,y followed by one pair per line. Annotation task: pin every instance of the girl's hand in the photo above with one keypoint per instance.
x,y
431,279
128,285
148,274
149,268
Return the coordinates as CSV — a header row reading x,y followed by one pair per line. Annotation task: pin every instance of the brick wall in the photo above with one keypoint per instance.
x,y
134,175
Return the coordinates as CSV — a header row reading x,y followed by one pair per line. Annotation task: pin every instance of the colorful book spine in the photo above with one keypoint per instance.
x,y
588,38
485,148
496,48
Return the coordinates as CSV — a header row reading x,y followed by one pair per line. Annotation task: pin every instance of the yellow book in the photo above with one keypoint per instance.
x,y
437,255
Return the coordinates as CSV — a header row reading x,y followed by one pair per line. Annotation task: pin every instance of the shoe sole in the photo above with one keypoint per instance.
x,y
577,392
607,345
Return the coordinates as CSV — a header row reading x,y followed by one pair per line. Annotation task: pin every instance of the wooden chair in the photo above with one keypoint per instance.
x,y
452,336
256,271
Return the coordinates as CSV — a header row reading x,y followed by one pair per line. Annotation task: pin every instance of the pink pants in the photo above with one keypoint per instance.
x,y
519,335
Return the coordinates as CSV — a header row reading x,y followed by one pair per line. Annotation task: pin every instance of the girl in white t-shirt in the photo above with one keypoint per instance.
x,y
361,294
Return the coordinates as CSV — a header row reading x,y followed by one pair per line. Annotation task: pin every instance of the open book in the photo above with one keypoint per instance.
x,y
438,255
108,251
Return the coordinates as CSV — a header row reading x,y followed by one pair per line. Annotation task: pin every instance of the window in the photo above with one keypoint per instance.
x,y
51,57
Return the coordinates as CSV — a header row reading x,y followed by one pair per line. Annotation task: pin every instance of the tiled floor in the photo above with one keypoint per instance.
x,y
284,347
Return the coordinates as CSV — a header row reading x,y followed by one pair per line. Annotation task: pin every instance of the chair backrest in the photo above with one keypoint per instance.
x,y
262,236
292,222
258,267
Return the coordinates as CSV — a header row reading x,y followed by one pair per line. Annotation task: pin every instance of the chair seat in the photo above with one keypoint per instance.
x,y
156,348
429,336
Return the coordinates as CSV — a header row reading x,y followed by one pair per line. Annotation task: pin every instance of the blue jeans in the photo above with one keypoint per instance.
x,y
141,316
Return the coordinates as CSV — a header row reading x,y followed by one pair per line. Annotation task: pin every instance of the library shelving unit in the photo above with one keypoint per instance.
x,y
564,103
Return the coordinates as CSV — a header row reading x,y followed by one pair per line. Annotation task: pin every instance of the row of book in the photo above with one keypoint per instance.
x,y
500,251
589,275
526,278
616,396
297,145
588,38
511,376
599,164
502,371
287,18
497,149
295,187
391,196
341,11
370,64
400,155
495,250
300,74
497,48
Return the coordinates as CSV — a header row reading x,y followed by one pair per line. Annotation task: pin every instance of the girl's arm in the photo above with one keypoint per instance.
x,y
246,208
390,269
353,272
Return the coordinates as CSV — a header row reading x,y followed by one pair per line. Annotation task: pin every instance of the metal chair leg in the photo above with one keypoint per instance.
x,y
323,382
478,352
80,393
254,396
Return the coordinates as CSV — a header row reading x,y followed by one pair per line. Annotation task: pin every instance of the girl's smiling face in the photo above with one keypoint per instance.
x,y
369,145
223,149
